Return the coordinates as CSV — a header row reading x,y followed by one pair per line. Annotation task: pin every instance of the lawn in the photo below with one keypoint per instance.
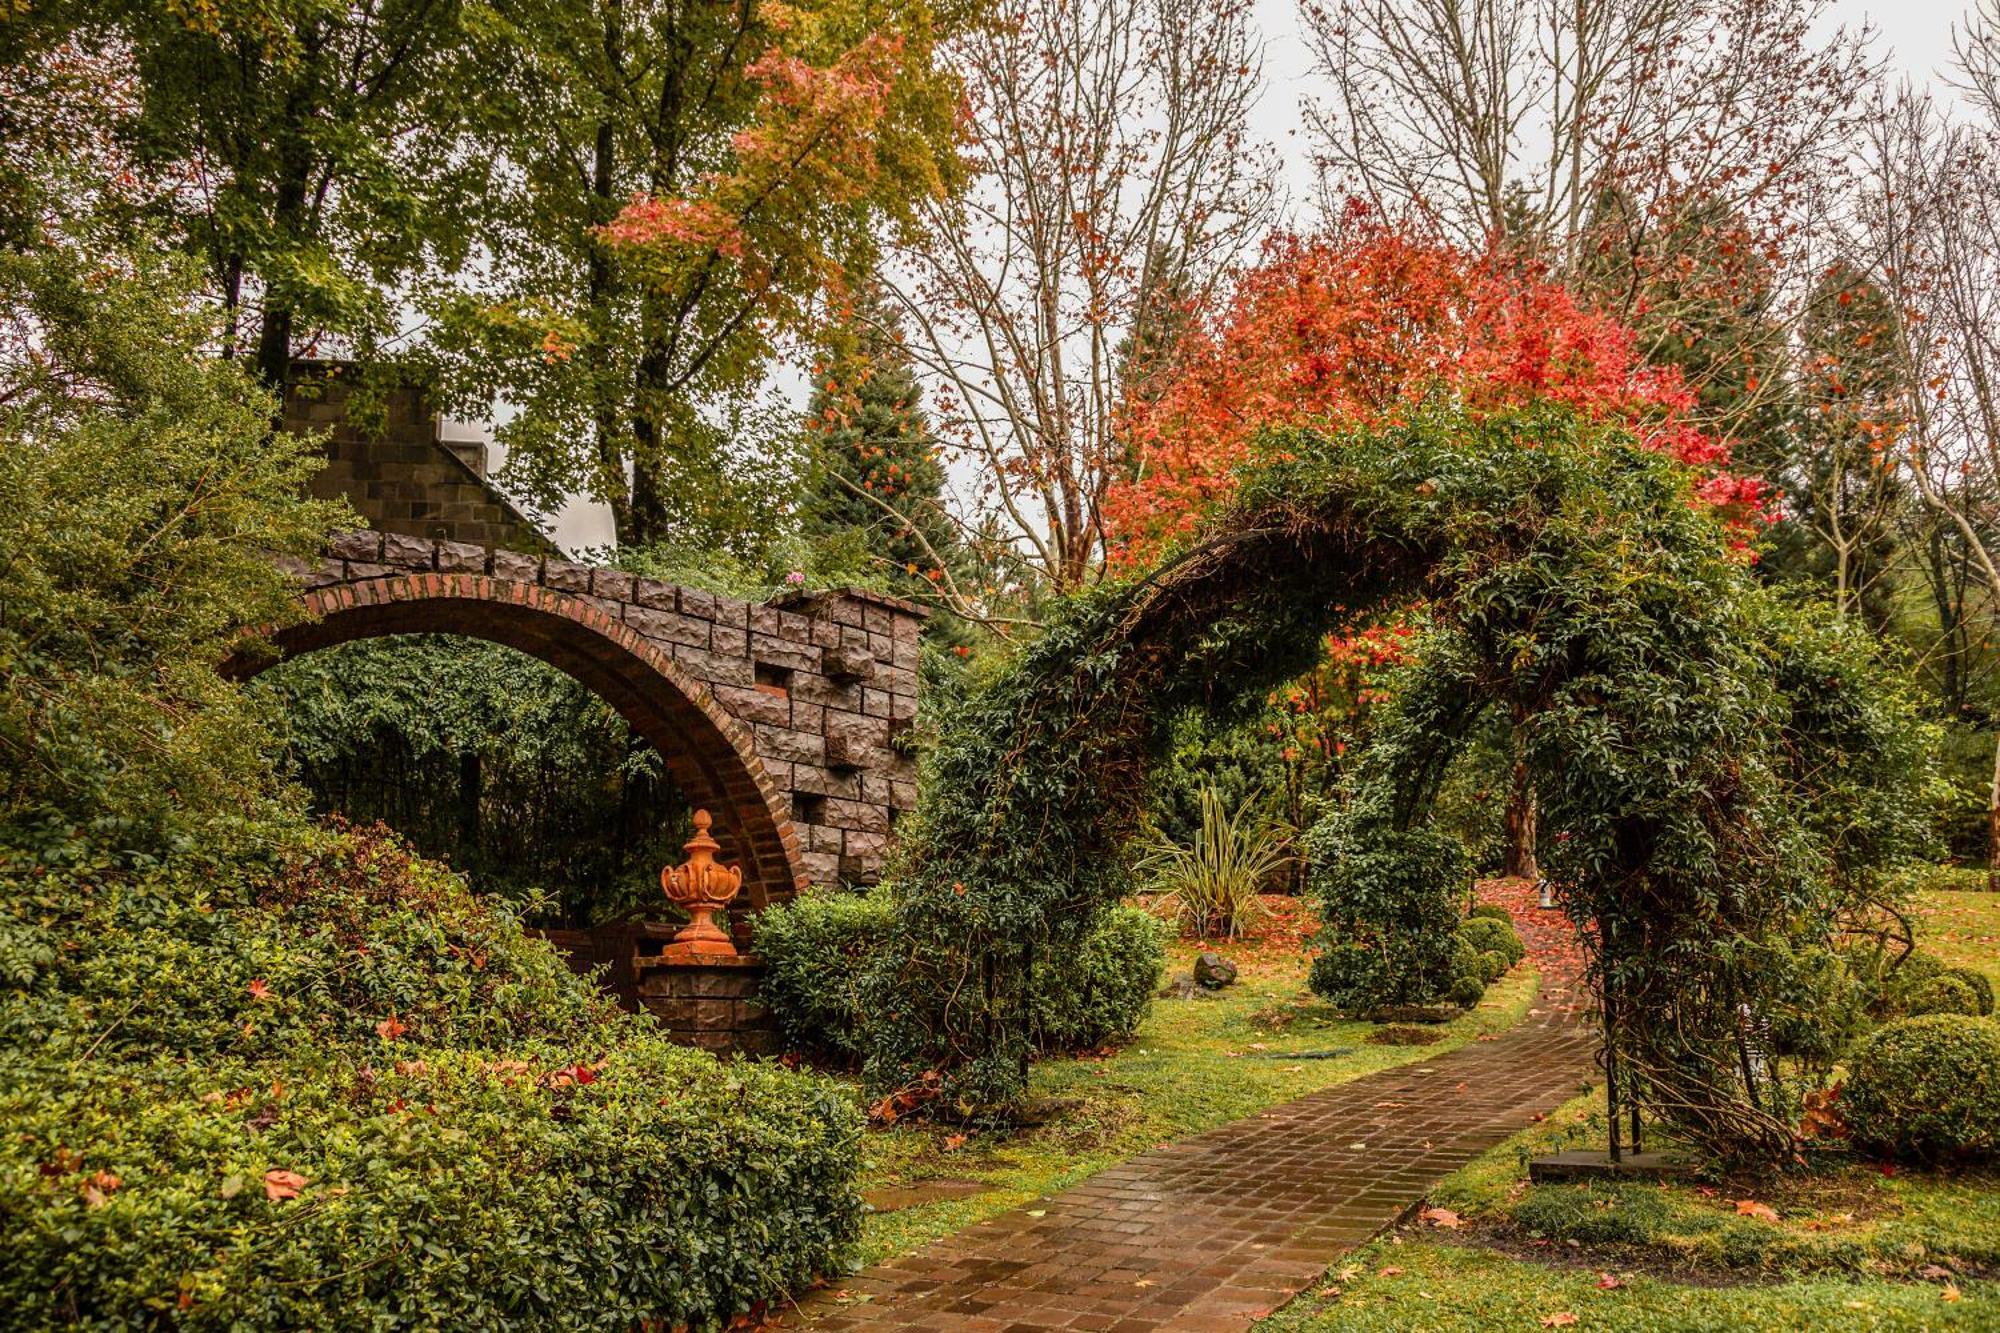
x,y
1850,1246
1194,1063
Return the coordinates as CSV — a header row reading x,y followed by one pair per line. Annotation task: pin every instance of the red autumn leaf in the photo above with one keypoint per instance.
x,y
259,991
280,1185
1751,1208
953,1142
1561,1320
1442,1217
1391,1271
1607,1282
391,1028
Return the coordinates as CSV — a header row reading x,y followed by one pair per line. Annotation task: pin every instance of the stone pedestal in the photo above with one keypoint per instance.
x,y
709,1001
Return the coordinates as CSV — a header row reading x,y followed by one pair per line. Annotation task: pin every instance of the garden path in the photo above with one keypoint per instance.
x,y
1213,1231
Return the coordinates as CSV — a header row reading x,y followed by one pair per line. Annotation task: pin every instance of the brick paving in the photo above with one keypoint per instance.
x,y
1211,1232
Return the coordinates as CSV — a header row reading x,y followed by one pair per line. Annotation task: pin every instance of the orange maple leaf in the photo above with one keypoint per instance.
x,y
391,1028
1751,1208
1560,1320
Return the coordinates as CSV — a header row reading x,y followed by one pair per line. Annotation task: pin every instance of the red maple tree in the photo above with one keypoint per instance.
x,y
1353,326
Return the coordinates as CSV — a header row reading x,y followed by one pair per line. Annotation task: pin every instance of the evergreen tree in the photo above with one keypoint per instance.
x,y
877,470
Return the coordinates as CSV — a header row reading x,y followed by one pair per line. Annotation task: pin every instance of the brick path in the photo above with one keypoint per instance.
x,y
1213,1231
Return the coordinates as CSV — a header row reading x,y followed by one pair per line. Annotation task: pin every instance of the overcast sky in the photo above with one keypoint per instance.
x,y
1914,36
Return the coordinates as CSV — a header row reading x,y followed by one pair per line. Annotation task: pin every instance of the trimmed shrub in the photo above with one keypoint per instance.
x,y
814,944
1927,1087
336,1089
814,948
1103,993
1485,932
1493,965
1466,990
1942,994
1493,911
1389,898
1981,986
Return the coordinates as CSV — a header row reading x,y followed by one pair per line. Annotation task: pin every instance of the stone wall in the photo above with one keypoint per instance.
x,y
397,473
820,689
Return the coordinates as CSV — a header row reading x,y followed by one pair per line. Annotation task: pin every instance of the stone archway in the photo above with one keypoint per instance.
x,y
711,755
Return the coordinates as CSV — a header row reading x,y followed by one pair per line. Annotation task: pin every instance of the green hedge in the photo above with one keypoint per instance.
x,y
478,1138
1927,1087
812,947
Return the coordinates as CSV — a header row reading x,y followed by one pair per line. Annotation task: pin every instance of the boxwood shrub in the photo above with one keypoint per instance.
x,y
812,945
339,1090
1927,1087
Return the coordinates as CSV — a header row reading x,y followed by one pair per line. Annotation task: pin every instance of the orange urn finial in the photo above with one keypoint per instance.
x,y
702,888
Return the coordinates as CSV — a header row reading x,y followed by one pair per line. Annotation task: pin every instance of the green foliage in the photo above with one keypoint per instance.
x,y
876,469
1212,885
1718,771
142,498
1389,900
1942,994
1490,935
492,760
1981,986
1490,911
814,948
475,1134
1927,1087
1101,993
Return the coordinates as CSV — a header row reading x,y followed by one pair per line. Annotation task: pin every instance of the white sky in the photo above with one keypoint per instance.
x,y
1913,35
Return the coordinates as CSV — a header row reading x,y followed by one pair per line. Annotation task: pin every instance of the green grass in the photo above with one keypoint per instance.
x,y
1440,1286
1852,1247
1193,1065
1961,928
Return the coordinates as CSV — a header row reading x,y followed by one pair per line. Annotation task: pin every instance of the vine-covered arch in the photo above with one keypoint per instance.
x,y
1723,771
710,754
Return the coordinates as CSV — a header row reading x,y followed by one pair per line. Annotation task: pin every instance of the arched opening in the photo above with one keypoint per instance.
x,y
707,753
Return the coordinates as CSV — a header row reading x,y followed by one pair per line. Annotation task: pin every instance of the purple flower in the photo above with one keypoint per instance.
x,y
796,577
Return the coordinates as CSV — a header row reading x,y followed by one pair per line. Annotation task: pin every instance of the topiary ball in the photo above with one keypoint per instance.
x,y
1927,1088
1484,932
1982,987
1465,991
1493,965
1942,994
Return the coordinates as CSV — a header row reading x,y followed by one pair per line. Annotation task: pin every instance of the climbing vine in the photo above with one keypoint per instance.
x,y
1725,774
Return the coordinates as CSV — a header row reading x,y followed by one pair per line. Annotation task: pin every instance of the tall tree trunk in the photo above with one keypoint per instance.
x,y
1993,824
1521,862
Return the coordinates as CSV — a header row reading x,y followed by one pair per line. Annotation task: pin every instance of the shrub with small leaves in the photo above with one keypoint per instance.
x,y
1390,899
1927,1088
1942,994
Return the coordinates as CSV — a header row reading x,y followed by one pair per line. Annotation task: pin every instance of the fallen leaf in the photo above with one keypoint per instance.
x,y
1390,1271
1950,1292
259,991
1761,1211
282,1184
391,1028
1561,1320
1606,1282
1038,1212
1144,1282
1442,1217
953,1142
1933,1271
1357,1147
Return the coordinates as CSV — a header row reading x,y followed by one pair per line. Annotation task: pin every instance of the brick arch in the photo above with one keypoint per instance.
x,y
710,754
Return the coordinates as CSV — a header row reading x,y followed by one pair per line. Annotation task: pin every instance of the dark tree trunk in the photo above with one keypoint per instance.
x,y
1520,820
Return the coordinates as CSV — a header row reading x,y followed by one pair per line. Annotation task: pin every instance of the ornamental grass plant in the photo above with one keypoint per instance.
x,y
1211,885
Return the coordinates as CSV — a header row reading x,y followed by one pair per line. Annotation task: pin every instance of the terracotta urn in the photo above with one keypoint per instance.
x,y
701,888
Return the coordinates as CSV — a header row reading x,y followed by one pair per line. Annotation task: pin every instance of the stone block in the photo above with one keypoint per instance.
x,y
407,552
566,576
816,780
856,815
846,665
364,546
660,596
668,626
858,730
873,845
821,867
818,689
712,668
729,639
755,705
795,747
611,583
780,653
517,567
461,558
795,627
